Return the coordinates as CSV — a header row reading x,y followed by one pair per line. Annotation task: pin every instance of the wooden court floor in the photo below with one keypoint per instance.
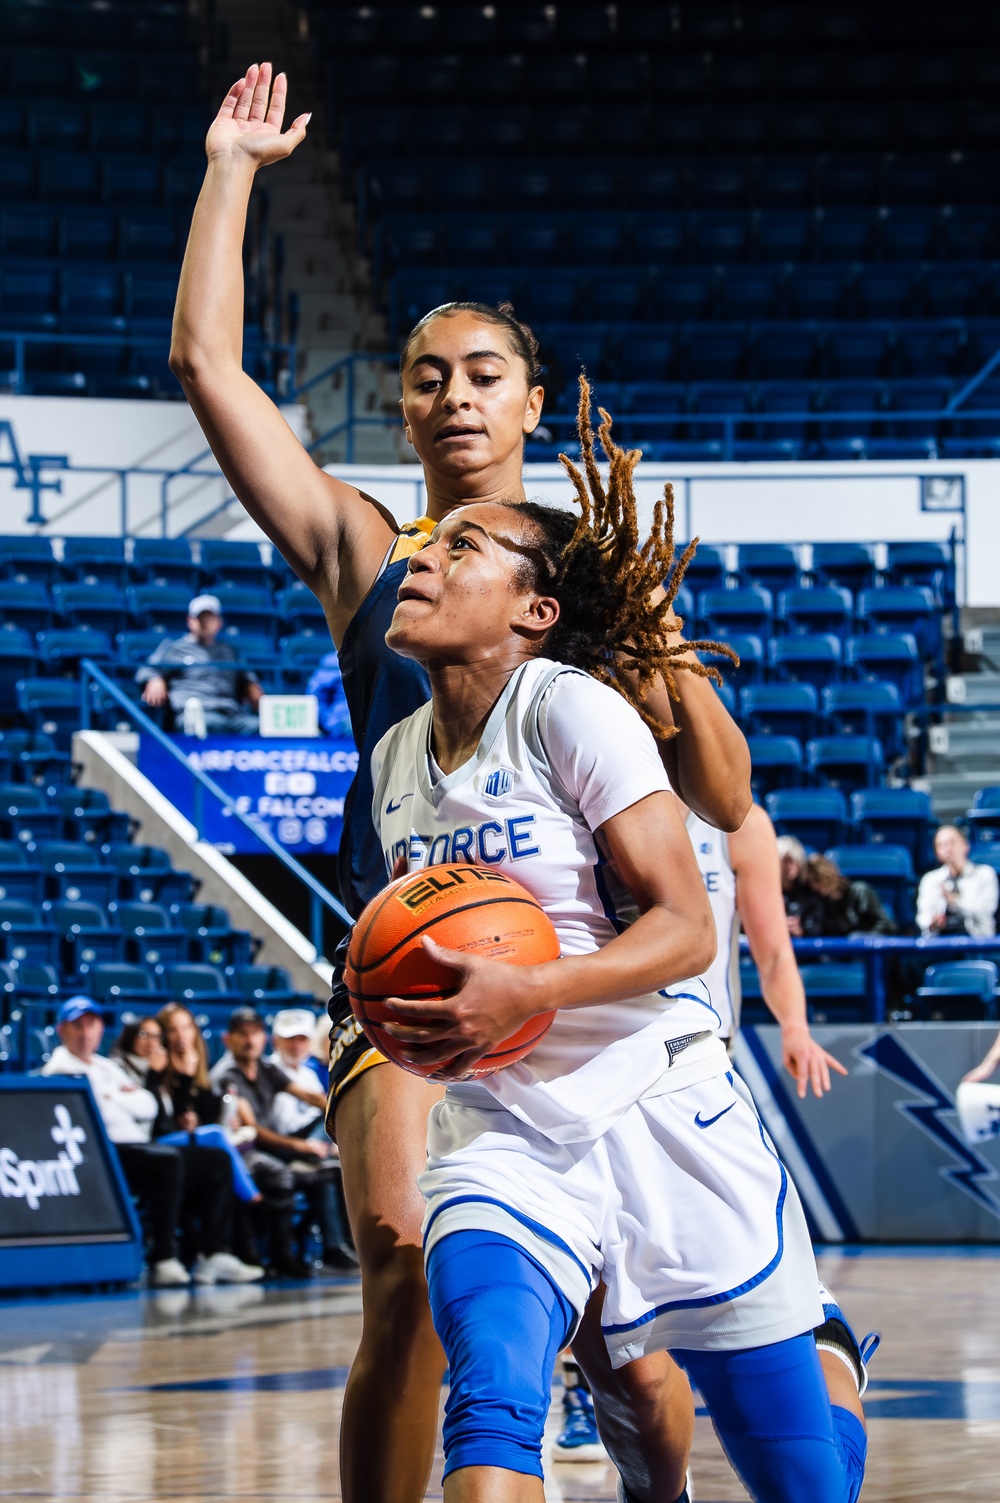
x,y
235,1394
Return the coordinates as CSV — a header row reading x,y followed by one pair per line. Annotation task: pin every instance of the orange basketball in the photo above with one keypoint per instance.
x,y
462,907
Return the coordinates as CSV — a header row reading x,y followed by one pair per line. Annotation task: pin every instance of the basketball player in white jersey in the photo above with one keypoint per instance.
x,y
742,878
622,1148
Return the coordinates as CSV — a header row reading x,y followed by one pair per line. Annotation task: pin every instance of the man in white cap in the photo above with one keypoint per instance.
x,y
292,1034
209,694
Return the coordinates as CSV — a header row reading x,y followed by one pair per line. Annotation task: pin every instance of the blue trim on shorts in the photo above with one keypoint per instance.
x,y
534,1226
728,1294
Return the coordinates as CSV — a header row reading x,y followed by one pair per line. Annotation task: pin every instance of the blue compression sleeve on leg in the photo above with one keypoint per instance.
x,y
502,1323
772,1413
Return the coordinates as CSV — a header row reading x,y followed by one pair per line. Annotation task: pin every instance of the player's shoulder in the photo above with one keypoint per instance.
x,y
412,536
570,695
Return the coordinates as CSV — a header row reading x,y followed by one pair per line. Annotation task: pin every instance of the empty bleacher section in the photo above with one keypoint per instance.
x,y
97,181
769,231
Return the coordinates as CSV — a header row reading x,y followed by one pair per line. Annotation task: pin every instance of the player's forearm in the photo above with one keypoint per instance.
x,y
782,990
708,762
664,946
208,317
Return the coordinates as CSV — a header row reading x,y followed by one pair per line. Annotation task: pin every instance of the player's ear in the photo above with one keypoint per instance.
x,y
533,410
539,615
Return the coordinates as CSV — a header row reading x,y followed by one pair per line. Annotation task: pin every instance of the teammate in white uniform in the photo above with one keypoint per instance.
x,y
742,878
622,1147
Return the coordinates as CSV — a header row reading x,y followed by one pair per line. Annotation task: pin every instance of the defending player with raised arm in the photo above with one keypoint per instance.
x,y
471,391
466,406
622,1147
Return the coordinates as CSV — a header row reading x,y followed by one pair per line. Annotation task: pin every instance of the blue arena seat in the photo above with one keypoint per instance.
x,y
889,657
773,565
810,657
74,871
816,816
265,986
87,937
867,709
18,659
225,564
120,981
150,938
21,879
25,603
928,565
886,868
780,710
983,818
750,651
162,606
776,762
165,561
101,606
836,993
959,991
65,648
300,609
210,935
826,609
29,558
846,762
25,934
747,610
51,705
88,816
145,875
897,816
193,981
905,609
26,815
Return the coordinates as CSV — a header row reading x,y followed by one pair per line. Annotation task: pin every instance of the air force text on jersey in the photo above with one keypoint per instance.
x,y
488,843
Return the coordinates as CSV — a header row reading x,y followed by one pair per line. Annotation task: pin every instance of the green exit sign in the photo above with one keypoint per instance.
x,y
289,715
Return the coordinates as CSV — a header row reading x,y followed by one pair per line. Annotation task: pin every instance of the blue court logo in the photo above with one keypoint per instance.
x,y
499,783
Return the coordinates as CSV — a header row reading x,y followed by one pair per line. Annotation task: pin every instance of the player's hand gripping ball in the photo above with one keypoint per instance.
x,y
462,907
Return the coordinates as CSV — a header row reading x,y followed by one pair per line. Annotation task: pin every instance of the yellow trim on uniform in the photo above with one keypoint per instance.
x,y
412,538
368,1060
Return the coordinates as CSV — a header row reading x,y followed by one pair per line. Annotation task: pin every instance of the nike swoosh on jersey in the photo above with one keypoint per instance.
x,y
391,808
699,1123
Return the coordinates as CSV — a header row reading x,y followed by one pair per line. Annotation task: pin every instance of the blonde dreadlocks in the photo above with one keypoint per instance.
x,y
611,622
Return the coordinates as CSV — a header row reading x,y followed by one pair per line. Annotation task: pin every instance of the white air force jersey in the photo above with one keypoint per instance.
x,y
560,755
722,978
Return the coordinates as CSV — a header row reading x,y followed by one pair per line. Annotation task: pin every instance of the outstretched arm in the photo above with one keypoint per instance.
x,y
986,1066
333,535
754,854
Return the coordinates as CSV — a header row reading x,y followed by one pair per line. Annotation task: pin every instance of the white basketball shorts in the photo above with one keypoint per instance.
x,y
683,1208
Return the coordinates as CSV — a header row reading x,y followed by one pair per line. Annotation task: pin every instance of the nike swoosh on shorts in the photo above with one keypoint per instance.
x,y
699,1123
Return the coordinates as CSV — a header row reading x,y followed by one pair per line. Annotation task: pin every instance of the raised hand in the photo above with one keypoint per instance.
x,y
249,120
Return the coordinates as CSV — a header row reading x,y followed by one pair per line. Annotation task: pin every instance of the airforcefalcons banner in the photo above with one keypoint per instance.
x,y
294,789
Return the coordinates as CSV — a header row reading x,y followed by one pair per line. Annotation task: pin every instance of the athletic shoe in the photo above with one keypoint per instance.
x,y
624,1496
578,1440
224,1268
167,1272
835,1335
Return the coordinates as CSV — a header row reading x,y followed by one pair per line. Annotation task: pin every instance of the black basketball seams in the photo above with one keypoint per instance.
x,y
486,902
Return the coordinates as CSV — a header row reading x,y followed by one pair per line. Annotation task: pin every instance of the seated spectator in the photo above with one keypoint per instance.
x,y
328,686
206,695
846,907
139,1050
171,1178
279,1162
959,896
292,1036
189,1105
803,906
